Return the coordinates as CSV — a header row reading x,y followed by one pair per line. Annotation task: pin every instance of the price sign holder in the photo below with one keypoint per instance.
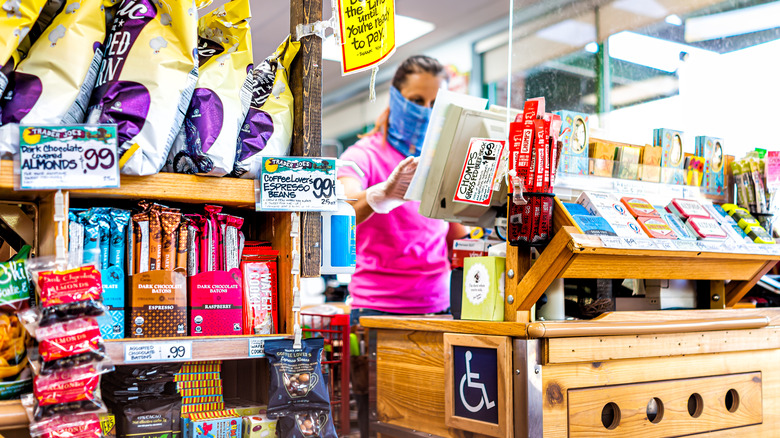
x,y
158,351
67,157
296,184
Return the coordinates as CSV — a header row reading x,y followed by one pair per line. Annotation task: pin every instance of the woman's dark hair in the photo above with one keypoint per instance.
x,y
417,64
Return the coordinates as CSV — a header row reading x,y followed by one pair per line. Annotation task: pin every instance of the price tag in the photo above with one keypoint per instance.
x,y
68,157
775,249
480,166
686,245
163,351
665,245
613,242
296,184
639,243
257,347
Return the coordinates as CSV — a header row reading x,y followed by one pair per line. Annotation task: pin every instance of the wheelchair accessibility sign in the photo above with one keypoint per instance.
x,y
476,383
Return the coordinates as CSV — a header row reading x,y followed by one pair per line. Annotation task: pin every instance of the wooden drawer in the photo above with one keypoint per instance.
x,y
666,408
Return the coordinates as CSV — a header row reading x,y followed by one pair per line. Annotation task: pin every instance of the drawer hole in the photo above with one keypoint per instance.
x,y
732,400
655,410
695,405
610,416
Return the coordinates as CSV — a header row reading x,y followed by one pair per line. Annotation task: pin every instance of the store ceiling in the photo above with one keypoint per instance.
x,y
271,24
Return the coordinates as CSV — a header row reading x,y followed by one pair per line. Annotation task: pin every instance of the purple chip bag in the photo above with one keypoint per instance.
x,y
202,126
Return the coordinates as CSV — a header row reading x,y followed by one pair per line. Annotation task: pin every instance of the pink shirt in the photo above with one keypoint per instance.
x,y
402,264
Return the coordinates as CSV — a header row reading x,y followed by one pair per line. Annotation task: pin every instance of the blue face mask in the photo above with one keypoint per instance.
x,y
407,124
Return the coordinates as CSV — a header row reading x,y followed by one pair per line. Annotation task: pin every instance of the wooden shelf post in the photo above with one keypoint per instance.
x,y
306,86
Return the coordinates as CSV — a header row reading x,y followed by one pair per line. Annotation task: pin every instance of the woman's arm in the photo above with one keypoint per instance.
x,y
353,191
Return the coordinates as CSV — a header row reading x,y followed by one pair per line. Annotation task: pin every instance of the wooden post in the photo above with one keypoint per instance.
x,y
306,86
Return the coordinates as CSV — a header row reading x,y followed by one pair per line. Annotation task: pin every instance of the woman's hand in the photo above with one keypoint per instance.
x,y
388,195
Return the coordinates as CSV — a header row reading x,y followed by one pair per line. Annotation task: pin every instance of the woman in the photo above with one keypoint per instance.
x,y
402,256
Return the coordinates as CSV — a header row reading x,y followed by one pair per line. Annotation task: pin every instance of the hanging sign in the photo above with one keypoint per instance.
x,y
68,157
480,166
367,31
296,184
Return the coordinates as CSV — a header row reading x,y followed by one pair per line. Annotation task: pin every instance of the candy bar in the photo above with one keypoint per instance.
x,y
141,242
182,244
656,227
639,207
170,223
705,228
687,208
155,241
119,221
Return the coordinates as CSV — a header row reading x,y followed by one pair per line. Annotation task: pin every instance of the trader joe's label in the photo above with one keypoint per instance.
x,y
297,184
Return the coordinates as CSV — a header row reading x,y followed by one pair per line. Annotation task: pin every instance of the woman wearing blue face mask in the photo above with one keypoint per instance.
x,y
403,262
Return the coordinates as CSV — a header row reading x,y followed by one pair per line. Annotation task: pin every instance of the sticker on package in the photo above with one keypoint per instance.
x,y
221,98
475,185
267,128
147,79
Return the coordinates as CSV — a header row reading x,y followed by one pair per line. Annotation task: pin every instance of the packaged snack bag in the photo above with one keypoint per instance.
x,y
18,17
296,377
42,91
221,98
146,79
267,128
310,424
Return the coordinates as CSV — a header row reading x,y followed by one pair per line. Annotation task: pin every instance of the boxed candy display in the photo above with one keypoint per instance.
x,y
705,228
687,208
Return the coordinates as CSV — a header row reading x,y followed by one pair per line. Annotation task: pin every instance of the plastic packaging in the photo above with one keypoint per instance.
x,y
221,99
297,384
146,80
68,426
268,126
69,344
63,295
309,424
15,285
67,391
42,91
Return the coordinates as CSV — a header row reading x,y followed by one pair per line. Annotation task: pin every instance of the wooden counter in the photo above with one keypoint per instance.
x,y
567,374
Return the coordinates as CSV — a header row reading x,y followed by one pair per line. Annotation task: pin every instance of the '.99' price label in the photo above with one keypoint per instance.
x,y
68,157
296,184
168,351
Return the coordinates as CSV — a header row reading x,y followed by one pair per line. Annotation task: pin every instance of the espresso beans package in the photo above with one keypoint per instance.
x,y
221,98
307,424
296,377
146,79
267,128
44,93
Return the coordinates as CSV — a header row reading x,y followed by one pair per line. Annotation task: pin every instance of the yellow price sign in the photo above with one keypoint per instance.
x,y
367,33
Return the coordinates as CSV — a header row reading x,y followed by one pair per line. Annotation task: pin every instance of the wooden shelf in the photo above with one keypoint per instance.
x,y
170,187
575,256
203,347
12,415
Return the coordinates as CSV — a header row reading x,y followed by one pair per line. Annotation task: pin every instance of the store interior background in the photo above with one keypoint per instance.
x,y
706,67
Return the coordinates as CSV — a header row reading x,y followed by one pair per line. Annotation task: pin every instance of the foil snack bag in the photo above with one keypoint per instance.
x,y
146,79
16,19
267,128
206,144
44,93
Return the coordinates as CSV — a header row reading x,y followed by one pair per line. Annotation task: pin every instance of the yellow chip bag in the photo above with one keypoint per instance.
x,y
146,79
16,19
42,92
221,99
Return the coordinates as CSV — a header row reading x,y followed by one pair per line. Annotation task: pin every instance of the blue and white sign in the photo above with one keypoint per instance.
x,y
476,383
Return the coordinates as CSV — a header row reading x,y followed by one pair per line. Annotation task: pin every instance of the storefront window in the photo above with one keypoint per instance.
x,y
705,67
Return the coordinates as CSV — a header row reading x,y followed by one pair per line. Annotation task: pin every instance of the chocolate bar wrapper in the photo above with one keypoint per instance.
x,y
170,223
141,242
119,221
181,245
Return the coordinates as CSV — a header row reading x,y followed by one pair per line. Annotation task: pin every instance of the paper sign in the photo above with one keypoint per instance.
x,y
296,184
256,347
174,351
475,185
68,157
367,33
773,169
